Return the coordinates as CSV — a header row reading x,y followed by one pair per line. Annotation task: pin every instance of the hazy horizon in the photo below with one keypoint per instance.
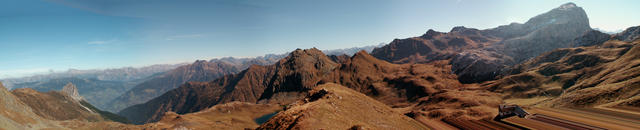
x,y
39,36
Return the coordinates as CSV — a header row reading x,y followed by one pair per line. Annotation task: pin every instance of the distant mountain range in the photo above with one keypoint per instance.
x,y
97,92
119,74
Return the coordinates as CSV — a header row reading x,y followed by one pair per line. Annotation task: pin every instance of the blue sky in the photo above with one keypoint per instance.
x,y
39,36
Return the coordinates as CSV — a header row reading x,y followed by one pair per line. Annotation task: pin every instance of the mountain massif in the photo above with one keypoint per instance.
x,y
481,55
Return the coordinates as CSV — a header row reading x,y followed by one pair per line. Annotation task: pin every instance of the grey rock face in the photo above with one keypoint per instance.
x,y
548,31
520,42
72,91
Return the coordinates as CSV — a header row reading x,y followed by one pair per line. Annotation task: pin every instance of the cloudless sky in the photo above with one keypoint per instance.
x,y
38,36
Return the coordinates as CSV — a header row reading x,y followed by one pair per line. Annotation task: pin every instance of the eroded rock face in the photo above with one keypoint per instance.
x,y
72,91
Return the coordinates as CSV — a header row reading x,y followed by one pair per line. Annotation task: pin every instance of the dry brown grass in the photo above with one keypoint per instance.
x,y
339,108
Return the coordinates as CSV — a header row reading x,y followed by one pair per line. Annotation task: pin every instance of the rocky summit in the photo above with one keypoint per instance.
x,y
72,91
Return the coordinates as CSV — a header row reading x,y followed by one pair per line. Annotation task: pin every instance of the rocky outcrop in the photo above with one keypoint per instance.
x,y
332,106
72,91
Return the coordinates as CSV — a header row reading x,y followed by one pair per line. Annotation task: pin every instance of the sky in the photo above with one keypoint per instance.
x,y
38,36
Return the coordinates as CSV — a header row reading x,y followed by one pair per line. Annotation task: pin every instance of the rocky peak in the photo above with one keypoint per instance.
x,y
72,91
566,13
458,29
307,59
305,66
430,34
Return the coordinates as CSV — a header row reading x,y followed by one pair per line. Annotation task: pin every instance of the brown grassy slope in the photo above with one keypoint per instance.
x,y
55,105
234,115
291,78
332,106
614,81
14,114
582,76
